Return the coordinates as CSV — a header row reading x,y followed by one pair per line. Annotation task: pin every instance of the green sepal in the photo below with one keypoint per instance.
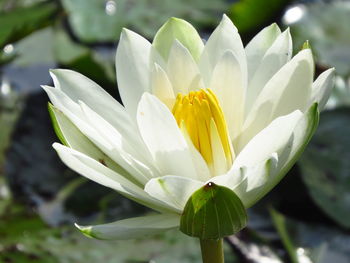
x,y
52,111
306,45
181,30
213,212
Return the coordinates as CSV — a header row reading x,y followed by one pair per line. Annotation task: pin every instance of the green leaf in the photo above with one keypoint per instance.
x,y
325,166
21,22
250,15
181,30
213,212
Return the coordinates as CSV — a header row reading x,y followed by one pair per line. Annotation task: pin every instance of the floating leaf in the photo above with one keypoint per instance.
x,y
20,22
325,166
213,212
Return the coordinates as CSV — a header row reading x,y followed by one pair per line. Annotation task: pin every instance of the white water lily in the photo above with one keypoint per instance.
x,y
193,113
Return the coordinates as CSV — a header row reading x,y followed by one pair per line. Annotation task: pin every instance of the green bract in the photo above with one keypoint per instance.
x,y
213,212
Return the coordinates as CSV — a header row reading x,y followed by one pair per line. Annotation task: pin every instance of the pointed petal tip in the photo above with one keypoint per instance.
x,y
86,230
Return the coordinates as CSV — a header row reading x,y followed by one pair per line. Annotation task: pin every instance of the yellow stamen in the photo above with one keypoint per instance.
x,y
196,111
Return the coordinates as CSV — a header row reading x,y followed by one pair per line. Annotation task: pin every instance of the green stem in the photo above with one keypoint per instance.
x,y
212,250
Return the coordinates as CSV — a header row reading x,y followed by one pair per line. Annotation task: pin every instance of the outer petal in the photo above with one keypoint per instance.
x,y
182,69
287,90
275,57
273,138
286,145
138,227
181,30
75,113
163,138
257,47
78,87
225,37
228,86
322,87
101,174
173,190
133,67
73,138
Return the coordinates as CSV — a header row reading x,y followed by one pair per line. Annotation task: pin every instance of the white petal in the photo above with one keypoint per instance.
x,y
173,190
275,57
137,227
133,67
163,138
75,113
272,139
225,37
257,180
260,183
203,172
101,174
182,69
322,88
228,86
78,87
161,86
289,89
257,47
76,140
219,158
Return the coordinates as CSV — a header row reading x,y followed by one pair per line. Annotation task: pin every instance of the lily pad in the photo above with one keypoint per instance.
x,y
328,32
325,166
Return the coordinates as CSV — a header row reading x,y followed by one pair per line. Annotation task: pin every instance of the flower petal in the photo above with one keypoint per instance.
x,y
74,139
78,87
182,69
80,119
275,57
271,139
225,37
289,89
181,30
132,65
137,227
322,87
173,190
281,143
101,174
228,86
163,138
257,47
161,86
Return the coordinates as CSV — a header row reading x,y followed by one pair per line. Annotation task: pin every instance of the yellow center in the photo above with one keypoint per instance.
x,y
200,115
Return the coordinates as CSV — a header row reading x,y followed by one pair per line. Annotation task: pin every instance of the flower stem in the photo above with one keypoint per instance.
x,y
212,250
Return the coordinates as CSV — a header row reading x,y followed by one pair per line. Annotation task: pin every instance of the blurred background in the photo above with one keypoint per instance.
x,y
306,219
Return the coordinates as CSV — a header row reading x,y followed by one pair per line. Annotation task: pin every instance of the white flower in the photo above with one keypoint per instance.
x,y
194,113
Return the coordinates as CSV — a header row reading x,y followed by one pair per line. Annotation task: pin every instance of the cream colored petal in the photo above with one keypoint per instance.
x,y
289,89
225,37
173,190
101,174
163,138
322,88
182,70
137,227
257,47
275,57
161,86
228,86
133,67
